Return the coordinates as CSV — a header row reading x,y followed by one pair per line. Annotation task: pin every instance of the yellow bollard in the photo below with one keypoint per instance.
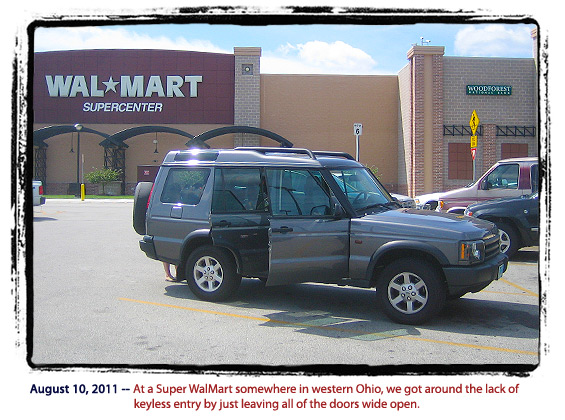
x,y
82,194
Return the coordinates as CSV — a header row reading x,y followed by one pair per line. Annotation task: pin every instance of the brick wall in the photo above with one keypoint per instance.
x,y
518,109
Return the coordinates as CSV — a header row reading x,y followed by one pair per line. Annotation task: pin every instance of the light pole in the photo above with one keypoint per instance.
x,y
78,128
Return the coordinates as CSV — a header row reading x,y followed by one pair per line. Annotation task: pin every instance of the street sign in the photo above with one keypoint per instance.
x,y
473,142
357,129
473,154
474,122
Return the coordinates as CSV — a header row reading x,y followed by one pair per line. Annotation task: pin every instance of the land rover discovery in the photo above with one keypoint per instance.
x,y
289,215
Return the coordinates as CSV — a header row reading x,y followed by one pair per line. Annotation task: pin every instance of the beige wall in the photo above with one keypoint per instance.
x,y
61,164
318,112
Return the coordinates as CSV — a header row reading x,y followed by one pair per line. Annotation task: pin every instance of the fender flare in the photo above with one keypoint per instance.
x,y
404,245
203,236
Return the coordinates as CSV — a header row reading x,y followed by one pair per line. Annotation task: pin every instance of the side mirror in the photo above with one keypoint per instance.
x,y
337,209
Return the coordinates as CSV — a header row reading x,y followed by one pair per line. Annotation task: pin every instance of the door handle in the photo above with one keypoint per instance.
x,y
223,223
283,229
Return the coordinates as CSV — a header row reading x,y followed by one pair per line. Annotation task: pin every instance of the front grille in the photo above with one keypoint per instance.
x,y
492,245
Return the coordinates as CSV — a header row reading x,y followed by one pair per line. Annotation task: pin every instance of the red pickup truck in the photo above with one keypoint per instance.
x,y
507,178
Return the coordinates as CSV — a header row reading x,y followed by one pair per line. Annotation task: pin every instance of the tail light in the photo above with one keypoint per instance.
x,y
149,198
41,190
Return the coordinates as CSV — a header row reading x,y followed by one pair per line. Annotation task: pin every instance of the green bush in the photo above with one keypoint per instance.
x,y
103,176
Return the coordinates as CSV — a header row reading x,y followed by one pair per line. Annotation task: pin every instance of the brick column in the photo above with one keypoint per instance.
x,y
489,143
417,66
437,141
426,63
247,107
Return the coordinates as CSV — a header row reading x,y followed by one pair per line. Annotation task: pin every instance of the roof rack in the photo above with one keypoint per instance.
x,y
334,154
289,150
295,150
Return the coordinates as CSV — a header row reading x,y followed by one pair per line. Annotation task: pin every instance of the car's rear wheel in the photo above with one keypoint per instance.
x,y
211,274
411,291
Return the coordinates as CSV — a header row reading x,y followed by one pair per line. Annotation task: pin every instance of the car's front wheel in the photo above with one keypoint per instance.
x,y
509,239
411,291
211,274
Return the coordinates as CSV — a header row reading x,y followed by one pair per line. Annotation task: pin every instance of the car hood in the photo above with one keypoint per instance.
x,y
421,224
459,192
499,201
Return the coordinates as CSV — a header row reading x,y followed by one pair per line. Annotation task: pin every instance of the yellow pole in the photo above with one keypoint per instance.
x,y
82,194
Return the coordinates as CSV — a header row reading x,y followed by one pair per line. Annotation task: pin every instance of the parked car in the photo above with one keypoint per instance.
x,y
38,198
404,200
517,220
288,216
507,178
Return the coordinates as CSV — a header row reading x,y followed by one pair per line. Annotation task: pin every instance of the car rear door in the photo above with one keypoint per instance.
x,y
306,242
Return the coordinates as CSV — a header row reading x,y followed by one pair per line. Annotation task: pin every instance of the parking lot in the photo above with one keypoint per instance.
x,y
98,300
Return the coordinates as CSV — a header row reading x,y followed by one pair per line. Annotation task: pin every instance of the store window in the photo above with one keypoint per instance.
x,y
460,162
514,150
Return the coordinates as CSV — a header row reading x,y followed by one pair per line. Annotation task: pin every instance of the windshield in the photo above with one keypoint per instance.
x,y
362,190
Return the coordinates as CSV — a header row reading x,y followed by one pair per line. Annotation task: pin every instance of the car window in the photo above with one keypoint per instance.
x,y
295,192
361,189
238,190
184,186
503,177
534,174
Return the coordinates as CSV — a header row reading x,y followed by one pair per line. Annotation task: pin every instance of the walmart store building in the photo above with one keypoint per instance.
x,y
125,109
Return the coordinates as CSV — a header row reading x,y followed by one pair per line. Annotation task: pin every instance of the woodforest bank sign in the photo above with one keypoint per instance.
x,y
489,90
128,86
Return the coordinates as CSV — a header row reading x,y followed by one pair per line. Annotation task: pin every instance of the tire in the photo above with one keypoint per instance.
x,y
509,239
411,291
140,198
211,274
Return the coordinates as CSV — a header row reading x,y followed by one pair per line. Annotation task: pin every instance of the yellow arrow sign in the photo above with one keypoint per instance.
x,y
474,122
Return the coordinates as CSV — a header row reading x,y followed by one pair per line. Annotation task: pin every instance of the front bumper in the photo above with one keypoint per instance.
x,y
146,244
463,279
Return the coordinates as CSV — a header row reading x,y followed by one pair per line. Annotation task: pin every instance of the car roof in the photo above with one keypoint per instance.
x,y
522,159
275,156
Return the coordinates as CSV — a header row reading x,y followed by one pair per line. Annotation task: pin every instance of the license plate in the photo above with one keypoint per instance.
x,y
500,271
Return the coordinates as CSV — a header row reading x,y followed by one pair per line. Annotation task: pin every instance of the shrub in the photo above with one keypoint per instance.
x,y
103,176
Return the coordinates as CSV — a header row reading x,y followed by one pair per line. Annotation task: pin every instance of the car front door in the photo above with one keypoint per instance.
x,y
501,182
307,243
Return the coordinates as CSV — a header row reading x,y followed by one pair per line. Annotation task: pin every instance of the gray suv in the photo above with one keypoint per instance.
x,y
288,215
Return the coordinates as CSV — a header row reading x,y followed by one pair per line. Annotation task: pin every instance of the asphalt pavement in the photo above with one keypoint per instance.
x,y
99,301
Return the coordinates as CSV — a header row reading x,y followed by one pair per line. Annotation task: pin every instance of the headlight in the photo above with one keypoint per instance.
x,y
471,251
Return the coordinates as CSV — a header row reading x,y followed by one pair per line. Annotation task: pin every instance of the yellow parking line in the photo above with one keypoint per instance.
x,y
519,287
325,327
471,346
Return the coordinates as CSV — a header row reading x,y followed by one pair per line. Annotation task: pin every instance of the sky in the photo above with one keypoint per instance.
x,y
304,48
